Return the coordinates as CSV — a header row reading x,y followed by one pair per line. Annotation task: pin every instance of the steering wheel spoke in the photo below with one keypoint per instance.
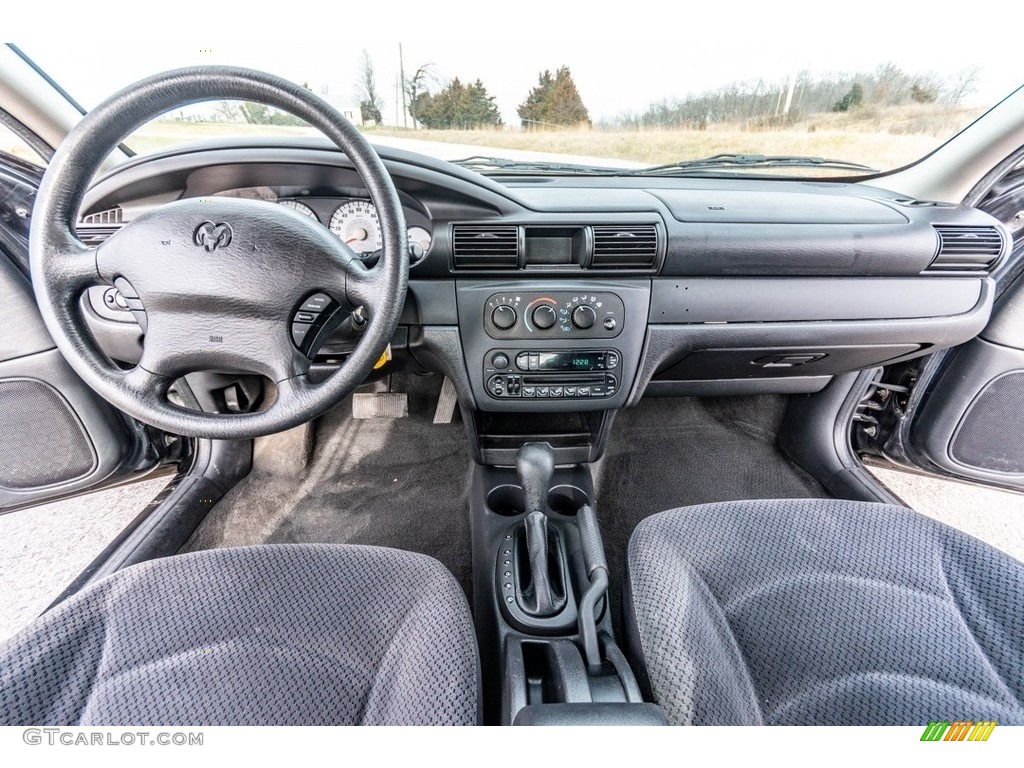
x,y
141,382
73,266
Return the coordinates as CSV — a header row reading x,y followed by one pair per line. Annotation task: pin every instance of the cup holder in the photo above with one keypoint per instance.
x,y
567,499
506,500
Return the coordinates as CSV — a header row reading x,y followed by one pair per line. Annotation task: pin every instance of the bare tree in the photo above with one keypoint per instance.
x,y
371,104
416,86
227,112
964,84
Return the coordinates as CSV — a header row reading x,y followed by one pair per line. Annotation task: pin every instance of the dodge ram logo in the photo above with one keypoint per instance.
x,y
212,236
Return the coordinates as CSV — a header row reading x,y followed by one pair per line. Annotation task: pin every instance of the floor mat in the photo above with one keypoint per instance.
x,y
675,452
399,483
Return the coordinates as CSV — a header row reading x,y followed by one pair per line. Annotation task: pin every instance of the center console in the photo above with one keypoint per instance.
x,y
541,599
552,345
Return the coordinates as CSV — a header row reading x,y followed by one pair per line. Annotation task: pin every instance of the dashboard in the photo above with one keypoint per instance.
x,y
556,294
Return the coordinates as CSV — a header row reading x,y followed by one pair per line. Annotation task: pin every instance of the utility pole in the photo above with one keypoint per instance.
x,y
789,95
401,81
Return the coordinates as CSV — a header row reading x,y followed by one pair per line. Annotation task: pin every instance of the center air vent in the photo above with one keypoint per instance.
x,y
966,249
478,246
94,234
625,247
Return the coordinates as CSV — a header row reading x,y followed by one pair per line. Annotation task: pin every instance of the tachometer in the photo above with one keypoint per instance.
x,y
357,224
295,205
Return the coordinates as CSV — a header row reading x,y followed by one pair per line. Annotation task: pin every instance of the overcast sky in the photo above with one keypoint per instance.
x,y
623,56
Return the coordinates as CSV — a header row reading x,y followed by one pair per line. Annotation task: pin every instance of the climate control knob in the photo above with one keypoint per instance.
x,y
584,316
544,316
503,317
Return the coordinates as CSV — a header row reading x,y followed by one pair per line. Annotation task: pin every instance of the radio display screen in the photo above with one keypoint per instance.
x,y
571,361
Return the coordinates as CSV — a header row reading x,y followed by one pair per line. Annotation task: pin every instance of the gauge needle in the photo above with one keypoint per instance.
x,y
359,234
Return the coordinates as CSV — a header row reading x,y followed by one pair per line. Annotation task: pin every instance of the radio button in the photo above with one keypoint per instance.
x,y
612,360
569,391
499,360
534,362
556,391
523,361
583,391
529,391
542,391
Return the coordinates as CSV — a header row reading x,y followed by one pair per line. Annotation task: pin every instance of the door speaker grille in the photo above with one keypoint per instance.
x,y
989,437
42,442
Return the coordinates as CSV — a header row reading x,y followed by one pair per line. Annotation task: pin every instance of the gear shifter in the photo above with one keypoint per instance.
x,y
535,464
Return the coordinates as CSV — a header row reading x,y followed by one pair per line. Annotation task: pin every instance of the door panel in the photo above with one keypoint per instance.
x,y
56,436
972,424
969,422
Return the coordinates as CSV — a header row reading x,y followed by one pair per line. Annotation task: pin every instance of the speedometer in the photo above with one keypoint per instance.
x,y
356,223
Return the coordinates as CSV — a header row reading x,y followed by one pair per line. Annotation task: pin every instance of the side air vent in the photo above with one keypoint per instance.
x,y
485,246
94,234
627,247
966,249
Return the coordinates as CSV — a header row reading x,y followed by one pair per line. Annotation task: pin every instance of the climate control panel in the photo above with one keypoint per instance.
x,y
554,315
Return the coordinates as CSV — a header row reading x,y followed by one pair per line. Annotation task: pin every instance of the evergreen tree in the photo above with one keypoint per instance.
x,y
555,100
457,105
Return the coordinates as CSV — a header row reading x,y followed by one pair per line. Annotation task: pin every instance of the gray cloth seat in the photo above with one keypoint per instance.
x,y
823,612
278,634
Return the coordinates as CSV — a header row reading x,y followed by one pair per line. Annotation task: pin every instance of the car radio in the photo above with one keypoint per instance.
x,y
560,374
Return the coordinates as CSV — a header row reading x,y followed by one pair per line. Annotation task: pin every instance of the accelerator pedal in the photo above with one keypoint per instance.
x,y
446,402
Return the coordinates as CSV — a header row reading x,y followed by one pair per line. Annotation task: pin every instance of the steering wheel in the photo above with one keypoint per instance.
x,y
216,283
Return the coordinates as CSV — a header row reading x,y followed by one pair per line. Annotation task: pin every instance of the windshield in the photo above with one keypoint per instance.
x,y
805,98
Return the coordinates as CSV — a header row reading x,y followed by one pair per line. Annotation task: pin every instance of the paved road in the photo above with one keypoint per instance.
x,y
45,548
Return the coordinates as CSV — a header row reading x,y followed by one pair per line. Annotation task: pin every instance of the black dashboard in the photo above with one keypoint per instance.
x,y
553,294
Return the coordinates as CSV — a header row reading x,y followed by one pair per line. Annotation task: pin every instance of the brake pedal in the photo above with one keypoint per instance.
x,y
380,402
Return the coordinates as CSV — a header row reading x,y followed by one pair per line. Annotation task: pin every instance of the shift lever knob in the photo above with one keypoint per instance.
x,y
535,464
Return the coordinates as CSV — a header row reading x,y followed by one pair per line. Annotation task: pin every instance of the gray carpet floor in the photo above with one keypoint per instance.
x,y
389,482
403,482
675,452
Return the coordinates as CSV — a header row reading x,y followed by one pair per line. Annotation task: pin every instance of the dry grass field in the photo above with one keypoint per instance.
x,y
883,138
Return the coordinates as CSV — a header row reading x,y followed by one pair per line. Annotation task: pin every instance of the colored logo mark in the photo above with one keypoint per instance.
x,y
958,730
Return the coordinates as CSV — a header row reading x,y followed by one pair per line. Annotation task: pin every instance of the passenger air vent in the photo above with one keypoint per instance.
x,y
626,247
94,234
966,249
485,246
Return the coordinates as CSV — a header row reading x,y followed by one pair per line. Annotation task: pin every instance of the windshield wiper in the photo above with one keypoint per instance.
x,y
742,162
484,164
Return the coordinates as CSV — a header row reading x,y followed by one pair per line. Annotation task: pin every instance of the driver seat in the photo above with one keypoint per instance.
x,y
823,612
273,635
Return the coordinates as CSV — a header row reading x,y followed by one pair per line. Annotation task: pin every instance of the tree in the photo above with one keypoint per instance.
x,y
415,86
964,85
260,114
457,105
555,100
370,102
853,99
227,111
